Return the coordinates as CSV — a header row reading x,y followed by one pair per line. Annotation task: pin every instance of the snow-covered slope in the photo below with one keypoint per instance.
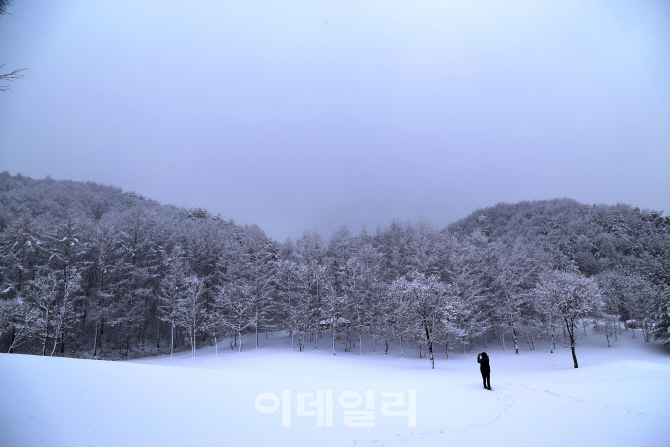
x,y
618,397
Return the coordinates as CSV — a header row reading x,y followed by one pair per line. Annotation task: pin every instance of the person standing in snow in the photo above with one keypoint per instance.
x,y
485,369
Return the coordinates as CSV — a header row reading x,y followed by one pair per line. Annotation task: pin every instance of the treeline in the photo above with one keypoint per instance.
x,y
87,270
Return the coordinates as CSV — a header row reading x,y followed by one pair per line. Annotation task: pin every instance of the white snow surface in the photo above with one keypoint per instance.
x,y
619,396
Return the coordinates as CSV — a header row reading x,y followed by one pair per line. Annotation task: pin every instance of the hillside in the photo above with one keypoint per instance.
x,y
596,238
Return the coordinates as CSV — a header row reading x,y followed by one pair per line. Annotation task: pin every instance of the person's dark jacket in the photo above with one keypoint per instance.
x,y
484,364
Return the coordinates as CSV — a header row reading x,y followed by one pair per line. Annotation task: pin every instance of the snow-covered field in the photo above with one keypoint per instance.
x,y
620,396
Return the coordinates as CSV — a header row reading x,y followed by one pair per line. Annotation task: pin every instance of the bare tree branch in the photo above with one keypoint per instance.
x,y
10,76
3,6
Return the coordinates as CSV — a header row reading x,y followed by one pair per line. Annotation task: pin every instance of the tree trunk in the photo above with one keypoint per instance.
x,y
46,336
127,342
100,335
95,339
11,341
516,347
571,332
193,329
83,320
172,338
430,347
55,342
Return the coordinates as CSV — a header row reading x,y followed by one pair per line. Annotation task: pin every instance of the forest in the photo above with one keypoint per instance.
x,y
90,271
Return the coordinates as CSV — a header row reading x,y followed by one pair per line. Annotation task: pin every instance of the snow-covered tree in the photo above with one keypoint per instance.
x,y
661,314
335,312
64,315
13,314
51,299
259,257
293,300
236,303
470,311
20,253
171,290
570,297
515,274
635,297
418,299
190,308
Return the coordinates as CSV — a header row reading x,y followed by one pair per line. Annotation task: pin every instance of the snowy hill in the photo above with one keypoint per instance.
x,y
618,397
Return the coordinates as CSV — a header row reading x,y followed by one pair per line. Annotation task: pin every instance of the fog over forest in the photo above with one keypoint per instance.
x,y
91,271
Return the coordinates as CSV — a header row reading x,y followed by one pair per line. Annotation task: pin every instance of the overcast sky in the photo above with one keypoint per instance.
x,y
316,114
